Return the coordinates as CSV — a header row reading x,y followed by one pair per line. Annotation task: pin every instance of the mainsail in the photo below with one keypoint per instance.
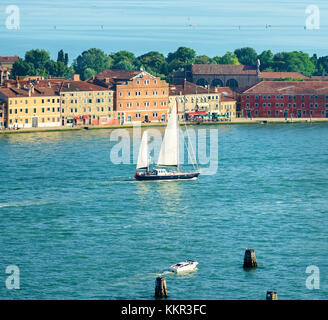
x,y
143,157
169,153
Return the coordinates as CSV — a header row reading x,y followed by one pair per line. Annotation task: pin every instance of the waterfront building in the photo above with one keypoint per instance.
x,y
196,100
285,99
138,95
55,103
85,103
220,75
233,76
8,61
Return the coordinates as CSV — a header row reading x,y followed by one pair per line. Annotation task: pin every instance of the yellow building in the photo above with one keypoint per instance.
x,y
194,100
27,106
86,103
55,103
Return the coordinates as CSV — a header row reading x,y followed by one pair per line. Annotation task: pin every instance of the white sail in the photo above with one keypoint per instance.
x,y
143,157
169,153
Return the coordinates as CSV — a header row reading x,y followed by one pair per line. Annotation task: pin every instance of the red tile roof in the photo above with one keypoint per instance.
x,y
47,88
289,87
191,88
118,74
278,75
9,59
223,69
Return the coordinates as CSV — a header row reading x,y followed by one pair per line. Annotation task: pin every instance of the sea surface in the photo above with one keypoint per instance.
x,y
78,226
211,27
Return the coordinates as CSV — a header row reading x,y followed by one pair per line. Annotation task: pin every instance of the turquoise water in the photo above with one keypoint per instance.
x,y
163,25
80,227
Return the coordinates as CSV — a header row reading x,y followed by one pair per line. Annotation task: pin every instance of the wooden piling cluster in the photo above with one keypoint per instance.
x,y
160,288
271,295
249,259
249,262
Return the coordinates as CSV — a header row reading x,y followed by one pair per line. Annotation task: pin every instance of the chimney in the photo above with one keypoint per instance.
x,y
106,80
49,84
8,84
76,77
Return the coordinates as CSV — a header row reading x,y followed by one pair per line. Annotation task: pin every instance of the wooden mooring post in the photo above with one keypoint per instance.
x,y
160,288
271,295
249,259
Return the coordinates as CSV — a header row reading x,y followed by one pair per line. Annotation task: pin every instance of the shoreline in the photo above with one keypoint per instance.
x,y
143,125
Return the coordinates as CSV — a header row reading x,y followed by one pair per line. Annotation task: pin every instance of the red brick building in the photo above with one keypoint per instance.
x,y
138,96
285,99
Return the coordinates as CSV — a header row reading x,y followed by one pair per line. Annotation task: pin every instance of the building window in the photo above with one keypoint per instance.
x,y
269,112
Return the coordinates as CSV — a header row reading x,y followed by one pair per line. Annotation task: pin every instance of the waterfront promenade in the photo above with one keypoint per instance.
x,y
161,124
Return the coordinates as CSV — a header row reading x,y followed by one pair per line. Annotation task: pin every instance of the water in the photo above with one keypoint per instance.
x,y
163,25
80,227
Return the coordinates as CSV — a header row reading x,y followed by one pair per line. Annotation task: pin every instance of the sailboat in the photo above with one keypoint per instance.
x,y
168,155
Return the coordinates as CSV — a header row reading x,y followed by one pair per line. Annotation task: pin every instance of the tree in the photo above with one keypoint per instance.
x,y
89,73
203,60
246,56
22,68
321,65
124,65
60,56
295,61
38,58
266,59
94,59
153,61
181,58
216,60
229,58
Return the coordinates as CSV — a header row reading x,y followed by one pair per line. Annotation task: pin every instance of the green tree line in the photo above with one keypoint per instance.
x,y
90,62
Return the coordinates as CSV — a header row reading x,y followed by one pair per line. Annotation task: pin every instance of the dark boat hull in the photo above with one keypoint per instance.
x,y
177,176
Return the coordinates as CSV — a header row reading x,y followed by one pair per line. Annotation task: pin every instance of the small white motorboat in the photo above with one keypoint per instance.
x,y
185,266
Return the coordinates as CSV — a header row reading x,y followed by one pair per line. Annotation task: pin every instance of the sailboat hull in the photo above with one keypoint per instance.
x,y
169,176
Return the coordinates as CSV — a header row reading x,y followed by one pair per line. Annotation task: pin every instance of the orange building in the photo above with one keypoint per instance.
x,y
138,97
